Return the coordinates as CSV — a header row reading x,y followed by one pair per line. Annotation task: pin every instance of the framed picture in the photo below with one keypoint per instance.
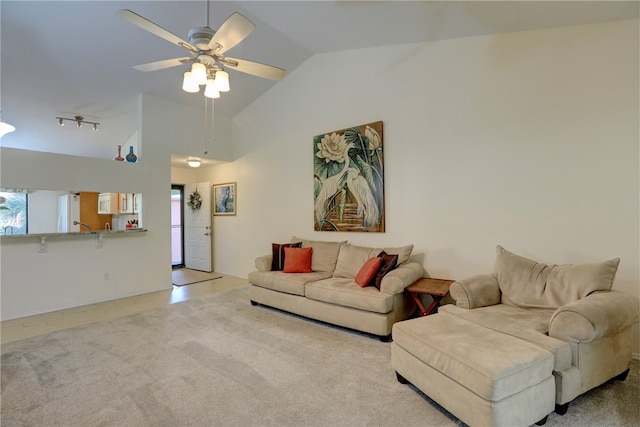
x,y
348,179
224,199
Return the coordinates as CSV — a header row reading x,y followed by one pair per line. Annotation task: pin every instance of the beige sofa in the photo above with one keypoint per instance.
x,y
330,294
519,340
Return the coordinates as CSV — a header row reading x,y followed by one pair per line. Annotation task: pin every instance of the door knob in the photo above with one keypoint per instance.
x,y
206,234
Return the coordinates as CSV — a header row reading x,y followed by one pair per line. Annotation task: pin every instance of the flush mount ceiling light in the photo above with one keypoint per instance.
x,y
194,163
207,48
79,121
5,127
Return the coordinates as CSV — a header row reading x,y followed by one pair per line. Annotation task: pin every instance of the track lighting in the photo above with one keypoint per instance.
x,y
79,121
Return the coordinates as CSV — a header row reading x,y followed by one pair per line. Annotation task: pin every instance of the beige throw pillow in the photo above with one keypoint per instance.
x,y
325,254
351,259
527,283
403,252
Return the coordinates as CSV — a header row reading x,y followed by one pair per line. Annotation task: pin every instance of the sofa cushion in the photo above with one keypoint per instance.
x,y
346,293
325,254
285,282
527,324
527,283
491,364
389,262
403,252
277,251
351,258
368,272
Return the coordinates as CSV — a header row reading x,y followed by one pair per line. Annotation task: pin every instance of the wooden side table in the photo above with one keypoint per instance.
x,y
436,288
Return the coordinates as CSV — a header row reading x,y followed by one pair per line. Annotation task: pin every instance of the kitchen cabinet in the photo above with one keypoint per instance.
x,y
137,203
125,203
108,204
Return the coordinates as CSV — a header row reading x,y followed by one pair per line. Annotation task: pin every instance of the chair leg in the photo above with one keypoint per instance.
x,y
562,409
401,379
622,376
542,421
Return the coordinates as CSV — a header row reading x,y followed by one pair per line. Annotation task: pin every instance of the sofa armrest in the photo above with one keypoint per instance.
x,y
399,278
263,263
476,291
595,316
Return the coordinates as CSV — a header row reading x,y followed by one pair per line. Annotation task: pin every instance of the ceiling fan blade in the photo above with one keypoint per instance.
x,y
161,65
153,28
255,68
232,32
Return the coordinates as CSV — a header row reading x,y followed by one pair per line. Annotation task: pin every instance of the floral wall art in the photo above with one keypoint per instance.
x,y
348,178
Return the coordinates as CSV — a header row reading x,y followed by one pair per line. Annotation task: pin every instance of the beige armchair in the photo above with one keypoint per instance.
x,y
552,306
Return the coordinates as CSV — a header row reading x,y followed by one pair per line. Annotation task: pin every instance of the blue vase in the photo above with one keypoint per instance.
x,y
131,158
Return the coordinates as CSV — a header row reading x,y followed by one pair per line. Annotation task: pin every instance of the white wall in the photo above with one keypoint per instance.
x,y
528,140
71,272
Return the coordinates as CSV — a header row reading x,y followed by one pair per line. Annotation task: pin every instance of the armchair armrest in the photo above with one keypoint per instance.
x,y
263,263
476,291
399,278
595,316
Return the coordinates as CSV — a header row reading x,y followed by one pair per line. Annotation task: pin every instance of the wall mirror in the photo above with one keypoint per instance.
x,y
28,211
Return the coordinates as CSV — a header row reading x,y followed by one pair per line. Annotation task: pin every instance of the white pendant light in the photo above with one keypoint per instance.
x,y
211,91
194,163
199,73
5,127
188,85
222,81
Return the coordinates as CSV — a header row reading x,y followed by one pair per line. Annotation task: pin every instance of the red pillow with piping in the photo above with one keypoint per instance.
x,y
368,272
297,260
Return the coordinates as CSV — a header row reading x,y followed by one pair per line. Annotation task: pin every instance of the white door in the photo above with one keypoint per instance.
x,y
197,228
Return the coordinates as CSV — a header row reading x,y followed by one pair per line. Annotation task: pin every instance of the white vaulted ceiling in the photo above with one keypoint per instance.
x,y
76,57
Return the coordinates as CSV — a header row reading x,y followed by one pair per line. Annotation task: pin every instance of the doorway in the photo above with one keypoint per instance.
x,y
177,226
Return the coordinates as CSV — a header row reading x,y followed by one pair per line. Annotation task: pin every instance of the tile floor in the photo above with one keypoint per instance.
x,y
25,327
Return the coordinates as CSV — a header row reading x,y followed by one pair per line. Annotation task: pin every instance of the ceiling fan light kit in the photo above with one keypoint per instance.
x,y
189,84
207,48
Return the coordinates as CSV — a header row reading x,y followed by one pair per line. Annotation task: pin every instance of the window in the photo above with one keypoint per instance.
x,y
13,213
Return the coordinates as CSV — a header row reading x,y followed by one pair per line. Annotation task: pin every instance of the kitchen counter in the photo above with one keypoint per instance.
x,y
76,233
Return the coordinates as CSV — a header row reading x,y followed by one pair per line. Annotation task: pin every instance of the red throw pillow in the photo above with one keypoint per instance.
x,y
368,272
297,260
277,263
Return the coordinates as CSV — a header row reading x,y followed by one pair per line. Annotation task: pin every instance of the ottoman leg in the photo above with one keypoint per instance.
x,y
622,376
542,421
401,379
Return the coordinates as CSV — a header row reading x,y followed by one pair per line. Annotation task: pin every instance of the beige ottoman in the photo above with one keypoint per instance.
x,y
483,377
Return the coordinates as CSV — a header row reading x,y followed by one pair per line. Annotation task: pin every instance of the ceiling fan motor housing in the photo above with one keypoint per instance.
x,y
200,37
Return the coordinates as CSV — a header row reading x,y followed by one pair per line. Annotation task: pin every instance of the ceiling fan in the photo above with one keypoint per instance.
x,y
207,48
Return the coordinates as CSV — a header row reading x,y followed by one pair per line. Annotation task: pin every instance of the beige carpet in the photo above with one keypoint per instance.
x,y
186,276
218,361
